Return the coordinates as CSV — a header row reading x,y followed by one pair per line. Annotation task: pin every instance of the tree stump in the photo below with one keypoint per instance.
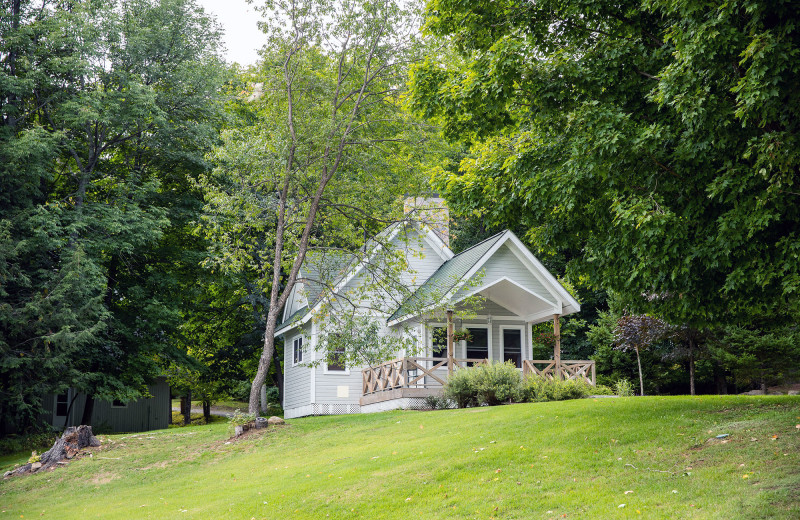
x,y
74,439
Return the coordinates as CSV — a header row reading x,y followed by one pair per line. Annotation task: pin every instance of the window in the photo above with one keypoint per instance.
x,y
439,342
62,404
116,403
512,346
478,346
297,348
336,361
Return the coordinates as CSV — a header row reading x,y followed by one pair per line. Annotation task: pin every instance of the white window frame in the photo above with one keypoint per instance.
x,y
295,362
488,339
521,329
345,372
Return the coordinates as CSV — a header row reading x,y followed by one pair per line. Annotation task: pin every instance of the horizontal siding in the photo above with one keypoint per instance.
x,y
296,379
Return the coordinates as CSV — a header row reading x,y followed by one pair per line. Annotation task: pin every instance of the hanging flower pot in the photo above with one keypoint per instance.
x,y
462,335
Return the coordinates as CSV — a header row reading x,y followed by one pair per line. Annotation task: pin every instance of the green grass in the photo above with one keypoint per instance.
x,y
541,460
228,405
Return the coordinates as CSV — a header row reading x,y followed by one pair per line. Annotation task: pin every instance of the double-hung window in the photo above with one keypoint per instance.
x,y
297,350
336,361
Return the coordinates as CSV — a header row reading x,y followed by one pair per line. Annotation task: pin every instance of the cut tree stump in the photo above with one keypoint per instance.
x,y
74,439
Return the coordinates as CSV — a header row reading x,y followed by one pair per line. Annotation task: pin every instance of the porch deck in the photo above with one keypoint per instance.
x,y
420,377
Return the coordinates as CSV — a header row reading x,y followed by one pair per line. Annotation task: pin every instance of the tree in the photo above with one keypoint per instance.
x,y
638,332
658,140
107,108
322,167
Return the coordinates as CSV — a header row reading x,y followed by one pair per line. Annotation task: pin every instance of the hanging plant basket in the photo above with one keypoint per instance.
x,y
462,335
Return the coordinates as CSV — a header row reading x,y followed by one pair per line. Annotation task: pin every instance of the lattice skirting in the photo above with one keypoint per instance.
x,y
335,409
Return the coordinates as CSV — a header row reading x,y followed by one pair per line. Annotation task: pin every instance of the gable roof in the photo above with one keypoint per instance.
x,y
454,274
445,278
336,270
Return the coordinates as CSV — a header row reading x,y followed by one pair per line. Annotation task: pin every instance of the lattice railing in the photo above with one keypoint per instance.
x,y
412,372
566,369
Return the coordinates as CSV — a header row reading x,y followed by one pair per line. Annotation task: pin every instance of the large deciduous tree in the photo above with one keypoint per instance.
x,y
329,152
107,107
656,139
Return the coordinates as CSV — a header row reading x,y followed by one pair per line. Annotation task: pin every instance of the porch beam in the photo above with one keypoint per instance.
x,y
450,353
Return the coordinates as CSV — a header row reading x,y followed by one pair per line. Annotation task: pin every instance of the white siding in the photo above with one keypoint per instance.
x,y
296,379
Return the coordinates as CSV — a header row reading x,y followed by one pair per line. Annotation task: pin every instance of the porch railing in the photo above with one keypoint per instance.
x,y
566,369
431,372
410,372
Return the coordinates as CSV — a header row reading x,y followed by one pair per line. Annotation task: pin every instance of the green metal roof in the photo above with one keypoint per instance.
x,y
445,278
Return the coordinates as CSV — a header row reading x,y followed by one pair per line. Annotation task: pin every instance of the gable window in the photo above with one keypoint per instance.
x,y
297,349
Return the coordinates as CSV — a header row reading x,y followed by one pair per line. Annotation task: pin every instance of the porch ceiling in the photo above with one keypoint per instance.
x,y
519,300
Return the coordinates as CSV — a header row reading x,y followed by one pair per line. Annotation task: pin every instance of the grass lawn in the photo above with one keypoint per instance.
x,y
652,457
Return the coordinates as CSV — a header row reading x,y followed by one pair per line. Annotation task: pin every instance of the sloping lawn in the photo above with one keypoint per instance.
x,y
652,457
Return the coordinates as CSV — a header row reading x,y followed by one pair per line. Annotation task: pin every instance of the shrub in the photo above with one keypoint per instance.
x,y
537,389
437,402
602,390
239,418
497,383
489,384
623,388
462,388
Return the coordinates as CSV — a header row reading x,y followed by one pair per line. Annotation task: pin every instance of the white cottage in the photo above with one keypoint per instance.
x,y
517,291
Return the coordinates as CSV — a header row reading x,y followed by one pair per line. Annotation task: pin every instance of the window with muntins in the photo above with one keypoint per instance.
x,y
297,347
439,342
336,361
478,346
512,346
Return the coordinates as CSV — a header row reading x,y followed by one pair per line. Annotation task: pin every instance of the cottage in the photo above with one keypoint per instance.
x,y
515,292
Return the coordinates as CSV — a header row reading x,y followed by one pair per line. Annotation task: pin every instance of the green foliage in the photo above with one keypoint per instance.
x,y
108,107
602,390
759,357
484,384
624,388
652,143
437,402
30,442
239,418
537,389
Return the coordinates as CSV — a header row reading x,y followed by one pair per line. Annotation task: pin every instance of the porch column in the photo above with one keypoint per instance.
x,y
449,342
557,345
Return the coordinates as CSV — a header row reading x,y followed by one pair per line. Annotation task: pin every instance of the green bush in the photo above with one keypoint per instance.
x,y
34,441
489,384
602,390
462,388
538,389
624,388
497,383
437,402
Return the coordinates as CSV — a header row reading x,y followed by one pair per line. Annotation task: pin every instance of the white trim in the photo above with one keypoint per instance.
x,y
436,243
327,371
298,411
488,328
529,343
521,329
507,279
289,326
537,318
302,345
566,296
312,351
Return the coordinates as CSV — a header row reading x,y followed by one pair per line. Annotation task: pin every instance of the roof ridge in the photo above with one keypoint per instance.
x,y
470,248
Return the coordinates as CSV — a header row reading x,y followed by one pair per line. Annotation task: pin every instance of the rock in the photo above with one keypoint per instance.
x,y
275,420
35,466
793,392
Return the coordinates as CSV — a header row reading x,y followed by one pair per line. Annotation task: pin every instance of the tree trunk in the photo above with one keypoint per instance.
x,y
691,366
71,442
263,363
277,378
207,410
88,408
186,408
720,381
641,380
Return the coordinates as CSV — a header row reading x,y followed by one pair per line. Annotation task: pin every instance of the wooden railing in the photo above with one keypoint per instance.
x,y
412,372
566,369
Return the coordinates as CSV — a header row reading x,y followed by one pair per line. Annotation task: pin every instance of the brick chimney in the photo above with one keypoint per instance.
x,y
431,211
